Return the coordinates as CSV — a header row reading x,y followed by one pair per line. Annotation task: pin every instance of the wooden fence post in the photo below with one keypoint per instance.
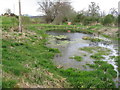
x,y
20,22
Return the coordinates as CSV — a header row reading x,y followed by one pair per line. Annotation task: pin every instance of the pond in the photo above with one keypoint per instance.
x,y
70,47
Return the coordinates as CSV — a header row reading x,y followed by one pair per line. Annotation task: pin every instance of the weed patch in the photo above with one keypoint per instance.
x,y
77,58
97,56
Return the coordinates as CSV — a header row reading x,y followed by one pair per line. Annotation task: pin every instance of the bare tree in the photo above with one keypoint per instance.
x,y
45,7
64,10
56,11
84,12
94,9
113,11
102,13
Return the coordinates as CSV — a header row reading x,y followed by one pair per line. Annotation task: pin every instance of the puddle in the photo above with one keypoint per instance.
x,y
70,49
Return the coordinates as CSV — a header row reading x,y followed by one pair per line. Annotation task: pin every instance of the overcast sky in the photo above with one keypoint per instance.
x,y
30,6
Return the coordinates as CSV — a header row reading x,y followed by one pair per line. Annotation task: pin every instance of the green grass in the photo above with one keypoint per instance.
x,y
90,49
87,49
92,39
65,28
77,58
9,83
94,49
99,51
17,54
106,36
97,56
40,56
105,67
89,79
96,27
31,60
9,22
117,59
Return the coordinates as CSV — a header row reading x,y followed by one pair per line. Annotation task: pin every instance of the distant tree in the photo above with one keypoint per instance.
x,y
92,15
45,7
65,11
108,20
90,20
94,9
79,18
118,21
113,11
56,11
102,14
84,12
8,11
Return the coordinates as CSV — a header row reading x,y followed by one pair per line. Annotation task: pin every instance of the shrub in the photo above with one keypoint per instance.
x,y
90,20
108,20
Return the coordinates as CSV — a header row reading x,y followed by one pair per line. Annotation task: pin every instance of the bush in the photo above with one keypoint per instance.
x,y
79,18
108,20
90,20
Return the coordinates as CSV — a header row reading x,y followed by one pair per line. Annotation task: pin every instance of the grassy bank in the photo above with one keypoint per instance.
x,y
26,57
28,63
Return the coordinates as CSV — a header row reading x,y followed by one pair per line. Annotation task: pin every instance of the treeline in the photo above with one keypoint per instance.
x,y
61,12
107,20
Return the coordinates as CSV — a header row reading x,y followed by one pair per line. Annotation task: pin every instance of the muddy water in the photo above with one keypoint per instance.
x,y
71,47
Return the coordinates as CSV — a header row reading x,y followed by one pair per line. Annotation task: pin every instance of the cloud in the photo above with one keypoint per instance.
x,y
30,6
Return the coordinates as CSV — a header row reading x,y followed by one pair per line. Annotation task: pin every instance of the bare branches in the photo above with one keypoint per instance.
x,y
54,10
114,11
94,9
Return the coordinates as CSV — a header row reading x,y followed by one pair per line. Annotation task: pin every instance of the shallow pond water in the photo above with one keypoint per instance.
x,y
70,48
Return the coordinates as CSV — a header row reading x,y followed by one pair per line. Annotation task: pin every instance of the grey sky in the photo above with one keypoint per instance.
x,y
30,6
